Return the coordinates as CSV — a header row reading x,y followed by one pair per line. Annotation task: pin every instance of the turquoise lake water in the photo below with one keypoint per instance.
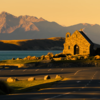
x,y
4,55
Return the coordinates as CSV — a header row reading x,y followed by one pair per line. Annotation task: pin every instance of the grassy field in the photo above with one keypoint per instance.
x,y
90,60
21,61
27,86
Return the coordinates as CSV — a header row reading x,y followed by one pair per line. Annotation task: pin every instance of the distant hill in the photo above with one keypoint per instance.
x,y
30,27
54,43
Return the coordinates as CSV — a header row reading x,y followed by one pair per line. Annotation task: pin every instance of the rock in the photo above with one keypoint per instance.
x,y
31,79
10,79
13,58
47,57
50,54
42,57
33,58
79,57
73,58
85,57
28,57
46,77
57,59
25,58
18,58
58,76
97,57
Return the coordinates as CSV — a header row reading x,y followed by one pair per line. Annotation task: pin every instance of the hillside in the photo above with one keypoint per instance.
x,y
31,27
54,43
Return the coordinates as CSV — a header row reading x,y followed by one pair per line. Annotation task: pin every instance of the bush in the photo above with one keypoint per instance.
x,y
4,88
1,92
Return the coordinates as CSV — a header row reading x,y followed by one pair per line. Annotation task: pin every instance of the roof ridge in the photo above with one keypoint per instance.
x,y
86,37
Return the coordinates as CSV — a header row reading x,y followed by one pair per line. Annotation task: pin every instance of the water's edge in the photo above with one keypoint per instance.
x,y
4,55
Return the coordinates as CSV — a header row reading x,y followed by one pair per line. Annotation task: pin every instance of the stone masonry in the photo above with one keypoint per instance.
x,y
77,44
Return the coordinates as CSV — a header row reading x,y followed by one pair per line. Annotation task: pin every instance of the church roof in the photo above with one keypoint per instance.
x,y
84,35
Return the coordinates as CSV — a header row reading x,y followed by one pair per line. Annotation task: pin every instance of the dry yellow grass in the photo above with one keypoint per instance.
x,y
18,42
15,42
55,38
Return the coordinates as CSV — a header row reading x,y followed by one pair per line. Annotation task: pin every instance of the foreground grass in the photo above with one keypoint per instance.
x,y
89,60
27,86
18,61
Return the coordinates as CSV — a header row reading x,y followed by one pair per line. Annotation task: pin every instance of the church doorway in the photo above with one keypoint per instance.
x,y
76,49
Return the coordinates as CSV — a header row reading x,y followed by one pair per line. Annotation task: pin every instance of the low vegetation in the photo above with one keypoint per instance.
x,y
21,61
27,86
55,43
51,58
5,88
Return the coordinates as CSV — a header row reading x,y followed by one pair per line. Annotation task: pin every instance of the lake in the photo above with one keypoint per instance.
x,y
4,55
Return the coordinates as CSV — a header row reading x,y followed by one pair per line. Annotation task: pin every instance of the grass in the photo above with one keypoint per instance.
x,y
21,61
2,93
15,42
27,86
89,60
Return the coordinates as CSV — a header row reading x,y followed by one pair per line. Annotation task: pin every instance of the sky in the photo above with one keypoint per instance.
x,y
64,12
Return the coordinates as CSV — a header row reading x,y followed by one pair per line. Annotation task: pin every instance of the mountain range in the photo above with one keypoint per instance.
x,y
30,27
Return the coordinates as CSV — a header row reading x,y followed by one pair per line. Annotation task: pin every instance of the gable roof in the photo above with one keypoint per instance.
x,y
84,35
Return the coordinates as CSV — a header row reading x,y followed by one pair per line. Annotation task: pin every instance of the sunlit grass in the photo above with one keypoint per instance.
x,y
21,61
15,42
26,86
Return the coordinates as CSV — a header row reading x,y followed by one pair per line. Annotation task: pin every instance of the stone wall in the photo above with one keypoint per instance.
x,y
76,39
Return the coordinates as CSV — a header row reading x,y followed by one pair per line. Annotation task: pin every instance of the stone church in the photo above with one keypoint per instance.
x,y
79,44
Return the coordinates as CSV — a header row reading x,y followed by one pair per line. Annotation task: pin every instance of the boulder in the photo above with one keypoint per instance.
x,y
13,58
18,58
97,57
33,58
42,57
50,54
10,79
79,57
28,57
85,57
58,76
31,79
47,57
46,77
74,58
25,58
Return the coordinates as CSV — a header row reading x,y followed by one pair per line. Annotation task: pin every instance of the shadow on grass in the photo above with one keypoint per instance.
x,y
34,88
32,74
3,61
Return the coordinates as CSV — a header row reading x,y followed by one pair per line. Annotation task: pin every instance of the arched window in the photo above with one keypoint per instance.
x,y
68,47
67,35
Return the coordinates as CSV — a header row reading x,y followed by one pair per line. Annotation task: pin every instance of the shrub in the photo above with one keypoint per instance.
x,y
1,92
4,88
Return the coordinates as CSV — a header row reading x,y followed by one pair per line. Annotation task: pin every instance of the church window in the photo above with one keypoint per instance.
x,y
67,35
68,47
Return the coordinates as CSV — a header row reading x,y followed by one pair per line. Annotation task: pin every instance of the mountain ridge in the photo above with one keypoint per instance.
x,y
31,27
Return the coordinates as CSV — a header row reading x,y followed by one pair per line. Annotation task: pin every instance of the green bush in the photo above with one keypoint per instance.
x,y
4,88
1,92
